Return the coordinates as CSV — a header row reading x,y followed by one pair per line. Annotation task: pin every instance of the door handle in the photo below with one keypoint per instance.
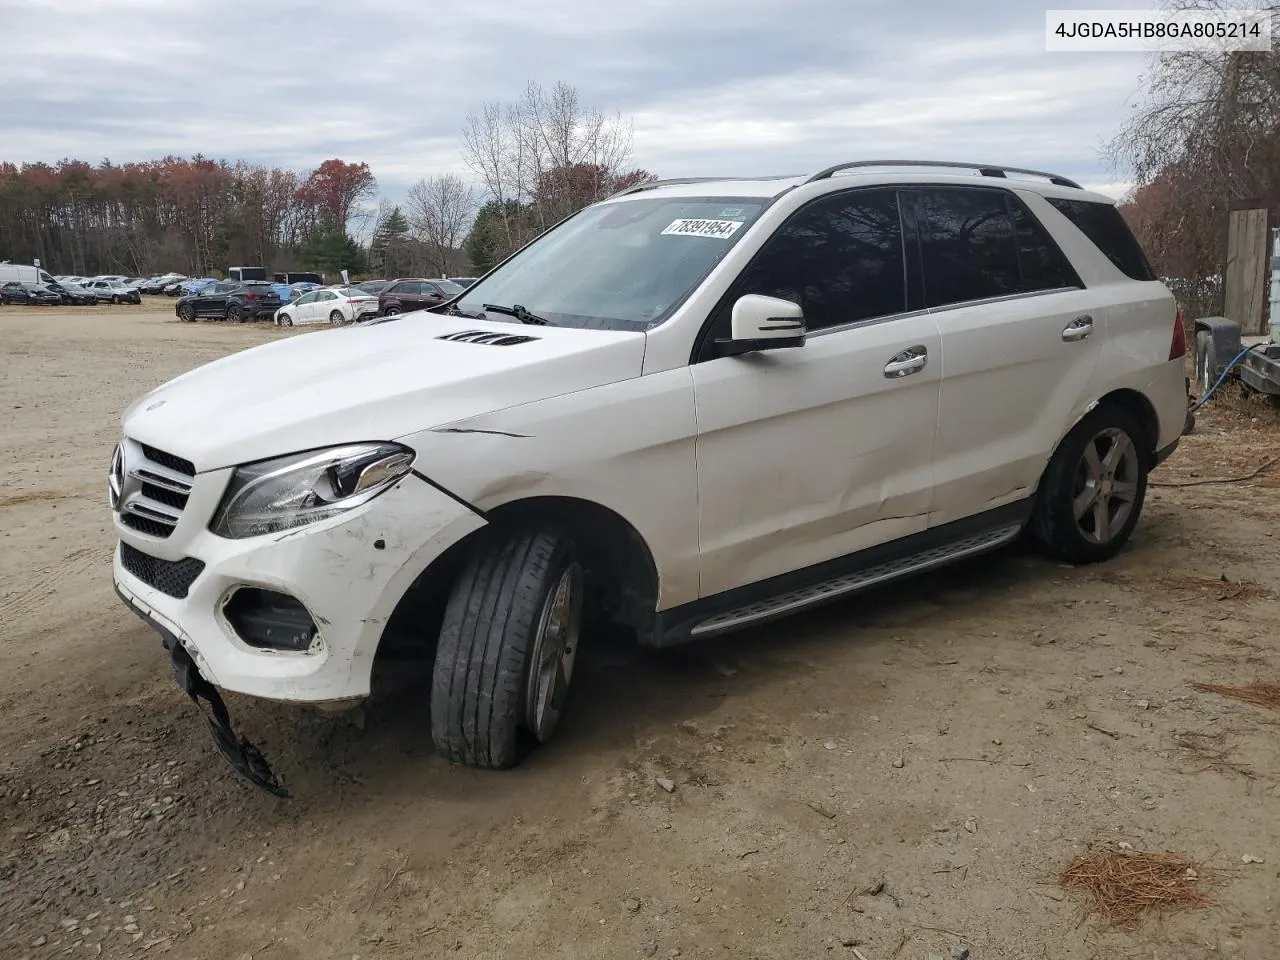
x,y
909,361
1078,329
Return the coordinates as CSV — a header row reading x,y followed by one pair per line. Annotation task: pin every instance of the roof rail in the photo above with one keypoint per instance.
x,y
650,184
986,169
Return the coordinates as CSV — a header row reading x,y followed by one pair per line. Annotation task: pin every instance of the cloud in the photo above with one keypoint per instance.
x,y
716,86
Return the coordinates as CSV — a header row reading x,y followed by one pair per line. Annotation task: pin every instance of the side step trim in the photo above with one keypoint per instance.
x,y
841,586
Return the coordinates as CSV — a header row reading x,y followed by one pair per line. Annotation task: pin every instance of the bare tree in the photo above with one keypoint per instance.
x,y
545,156
1205,133
441,210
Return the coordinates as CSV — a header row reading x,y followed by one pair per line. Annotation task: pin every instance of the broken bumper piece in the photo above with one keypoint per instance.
x,y
245,758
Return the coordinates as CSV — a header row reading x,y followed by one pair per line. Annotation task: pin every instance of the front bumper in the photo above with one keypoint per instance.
x,y
349,572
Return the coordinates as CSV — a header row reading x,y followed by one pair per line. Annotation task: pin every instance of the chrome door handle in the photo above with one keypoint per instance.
x,y
1078,329
909,361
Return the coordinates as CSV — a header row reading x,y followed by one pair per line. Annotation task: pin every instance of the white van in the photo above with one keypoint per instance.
x,y
24,273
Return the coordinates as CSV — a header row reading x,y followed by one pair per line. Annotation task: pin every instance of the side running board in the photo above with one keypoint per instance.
x,y
845,584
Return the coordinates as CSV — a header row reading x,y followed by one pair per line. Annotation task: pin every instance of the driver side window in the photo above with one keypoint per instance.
x,y
841,258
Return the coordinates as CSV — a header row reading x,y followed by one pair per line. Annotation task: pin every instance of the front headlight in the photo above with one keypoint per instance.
x,y
287,492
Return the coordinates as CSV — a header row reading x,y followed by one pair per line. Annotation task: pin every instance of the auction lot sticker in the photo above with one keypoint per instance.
x,y
718,229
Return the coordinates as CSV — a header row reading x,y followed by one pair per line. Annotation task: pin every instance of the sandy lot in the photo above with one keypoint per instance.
x,y
959,739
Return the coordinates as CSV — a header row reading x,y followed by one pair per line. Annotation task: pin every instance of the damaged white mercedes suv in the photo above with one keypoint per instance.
x,y
695,406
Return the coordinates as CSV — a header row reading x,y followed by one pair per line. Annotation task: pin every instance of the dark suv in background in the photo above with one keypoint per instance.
x,y
231,299
403,296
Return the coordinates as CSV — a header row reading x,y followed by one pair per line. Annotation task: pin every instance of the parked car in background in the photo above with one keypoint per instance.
x,y
403,296
335,306
230,300
30,293
157,284
113,291
374,286
75,294
464,282
199,285
175,288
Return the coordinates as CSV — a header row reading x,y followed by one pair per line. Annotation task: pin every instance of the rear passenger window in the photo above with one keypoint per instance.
x,y
840,258
979,244
1103,224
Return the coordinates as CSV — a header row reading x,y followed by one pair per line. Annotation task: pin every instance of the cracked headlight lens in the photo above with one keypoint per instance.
x,y
287,492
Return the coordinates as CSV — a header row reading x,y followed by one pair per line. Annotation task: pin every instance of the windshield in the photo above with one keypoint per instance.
x,y
620,266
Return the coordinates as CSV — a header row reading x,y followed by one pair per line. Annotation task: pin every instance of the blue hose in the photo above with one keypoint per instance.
x,y
1223,376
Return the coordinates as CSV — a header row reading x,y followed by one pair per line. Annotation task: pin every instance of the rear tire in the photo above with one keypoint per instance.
x,y
1092,492
336,318
234,315
391,312
508,641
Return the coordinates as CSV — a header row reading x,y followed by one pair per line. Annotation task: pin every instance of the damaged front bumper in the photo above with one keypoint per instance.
x,y
245,758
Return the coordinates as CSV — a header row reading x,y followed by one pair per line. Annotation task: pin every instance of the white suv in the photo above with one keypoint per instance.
x,y
695,406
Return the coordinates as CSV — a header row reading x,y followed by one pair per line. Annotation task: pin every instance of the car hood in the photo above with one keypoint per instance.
x,y
376,382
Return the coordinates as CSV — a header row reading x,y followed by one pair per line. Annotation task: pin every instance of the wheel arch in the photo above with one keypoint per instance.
x,y
1140,405
620,567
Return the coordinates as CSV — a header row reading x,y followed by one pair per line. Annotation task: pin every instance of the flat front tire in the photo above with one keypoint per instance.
x,y
507,647
1093,490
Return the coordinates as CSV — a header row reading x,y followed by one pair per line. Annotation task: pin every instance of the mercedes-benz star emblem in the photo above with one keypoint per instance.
x,y
115,480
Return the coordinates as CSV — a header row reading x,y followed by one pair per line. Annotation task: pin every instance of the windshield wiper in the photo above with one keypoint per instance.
x,y
519,312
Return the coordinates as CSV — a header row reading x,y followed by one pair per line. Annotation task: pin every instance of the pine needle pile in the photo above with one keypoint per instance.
x,y
1258,693
1124,886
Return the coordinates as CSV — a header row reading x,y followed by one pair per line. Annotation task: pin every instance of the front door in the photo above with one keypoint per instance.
x,y
810,453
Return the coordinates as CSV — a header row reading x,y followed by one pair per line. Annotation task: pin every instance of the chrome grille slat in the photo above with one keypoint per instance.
x,y
163,478
149,508
154,488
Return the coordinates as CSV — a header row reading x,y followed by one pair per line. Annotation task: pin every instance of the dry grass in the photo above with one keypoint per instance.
x,y
1124,886
1212,752
1259,693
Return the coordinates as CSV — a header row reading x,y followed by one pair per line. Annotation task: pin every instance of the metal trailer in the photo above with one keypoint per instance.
x,y
1254,361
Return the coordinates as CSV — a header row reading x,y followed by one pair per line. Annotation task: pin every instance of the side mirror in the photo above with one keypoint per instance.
x,y
763,323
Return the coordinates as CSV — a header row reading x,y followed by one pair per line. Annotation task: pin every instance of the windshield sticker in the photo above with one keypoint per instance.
x,y
732,213
719,229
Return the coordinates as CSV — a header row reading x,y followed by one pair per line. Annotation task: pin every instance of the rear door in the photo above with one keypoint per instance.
x,y
1021,337
324,305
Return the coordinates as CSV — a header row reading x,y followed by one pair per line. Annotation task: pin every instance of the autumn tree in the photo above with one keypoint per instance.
x,y
335,187
441,210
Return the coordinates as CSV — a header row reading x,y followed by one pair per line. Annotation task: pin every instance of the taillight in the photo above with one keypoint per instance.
x,y
1179,346
251,296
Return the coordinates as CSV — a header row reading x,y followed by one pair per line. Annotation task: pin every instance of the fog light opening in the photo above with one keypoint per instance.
x,y
270,621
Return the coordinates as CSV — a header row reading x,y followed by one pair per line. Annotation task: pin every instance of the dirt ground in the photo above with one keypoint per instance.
x,y
958,739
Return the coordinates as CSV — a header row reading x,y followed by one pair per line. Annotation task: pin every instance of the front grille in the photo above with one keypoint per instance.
x,y
169,460
172,577
160,486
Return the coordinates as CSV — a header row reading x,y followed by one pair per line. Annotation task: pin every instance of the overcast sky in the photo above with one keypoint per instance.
x,y
713,86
